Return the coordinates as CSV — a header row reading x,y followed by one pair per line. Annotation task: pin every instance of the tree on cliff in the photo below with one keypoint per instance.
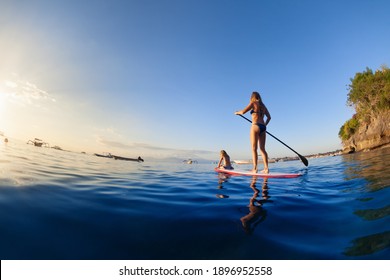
x,y
369,94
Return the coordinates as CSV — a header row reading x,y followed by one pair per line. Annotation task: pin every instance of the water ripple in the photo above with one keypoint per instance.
x,y
62,205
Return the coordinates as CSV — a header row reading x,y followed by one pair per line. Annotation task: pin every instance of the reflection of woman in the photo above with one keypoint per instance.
x,y
259,126
256,212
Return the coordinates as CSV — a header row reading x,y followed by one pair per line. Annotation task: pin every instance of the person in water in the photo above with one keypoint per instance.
x,y
259,126
226,161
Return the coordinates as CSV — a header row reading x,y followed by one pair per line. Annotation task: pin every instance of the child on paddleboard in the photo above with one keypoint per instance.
x,y
226,161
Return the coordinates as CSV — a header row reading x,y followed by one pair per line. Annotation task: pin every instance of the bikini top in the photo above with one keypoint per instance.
x,y
256,112
260,111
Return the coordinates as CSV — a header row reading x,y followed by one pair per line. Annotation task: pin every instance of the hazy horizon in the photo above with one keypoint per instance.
x,y
164,78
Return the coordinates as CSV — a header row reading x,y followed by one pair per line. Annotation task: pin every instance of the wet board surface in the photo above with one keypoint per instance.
x,y
262,175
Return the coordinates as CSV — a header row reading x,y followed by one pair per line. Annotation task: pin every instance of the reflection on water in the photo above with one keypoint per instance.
x,y
373,214
374,167
62,205
222,178
369,244
363,184
257,213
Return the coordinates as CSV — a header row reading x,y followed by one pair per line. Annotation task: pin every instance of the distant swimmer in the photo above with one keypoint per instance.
x,y
225,158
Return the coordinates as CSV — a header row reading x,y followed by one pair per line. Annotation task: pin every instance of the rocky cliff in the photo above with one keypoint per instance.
x,y
369,135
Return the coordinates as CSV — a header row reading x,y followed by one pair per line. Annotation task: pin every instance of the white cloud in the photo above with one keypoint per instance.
x,y
10,84
24,93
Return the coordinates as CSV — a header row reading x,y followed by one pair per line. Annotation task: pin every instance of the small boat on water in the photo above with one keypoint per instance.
x,y
190,161
139,159
38,143
57,148
242,161
108,155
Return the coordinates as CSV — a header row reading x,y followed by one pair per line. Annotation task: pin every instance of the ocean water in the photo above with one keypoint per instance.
x,y
63,205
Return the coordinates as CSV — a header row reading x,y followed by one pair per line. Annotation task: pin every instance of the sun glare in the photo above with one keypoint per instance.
x,y
4,87
10,84
2,108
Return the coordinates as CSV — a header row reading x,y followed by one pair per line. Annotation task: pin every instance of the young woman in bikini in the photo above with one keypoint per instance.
x,y
225,159
259,126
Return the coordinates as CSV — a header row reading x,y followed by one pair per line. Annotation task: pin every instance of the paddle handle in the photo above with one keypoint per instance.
x,y
302,158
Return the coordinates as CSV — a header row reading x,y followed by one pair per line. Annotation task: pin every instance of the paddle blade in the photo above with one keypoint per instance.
x,y
304,160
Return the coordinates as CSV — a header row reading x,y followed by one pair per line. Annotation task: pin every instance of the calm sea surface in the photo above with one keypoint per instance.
x,y
63,205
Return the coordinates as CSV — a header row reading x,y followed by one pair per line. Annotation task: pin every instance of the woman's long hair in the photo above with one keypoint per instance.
x,y
256,97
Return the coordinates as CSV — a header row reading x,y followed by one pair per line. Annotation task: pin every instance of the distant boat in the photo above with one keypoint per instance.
x,y
38,143
57,148
242,161
189,161
139,159
108,155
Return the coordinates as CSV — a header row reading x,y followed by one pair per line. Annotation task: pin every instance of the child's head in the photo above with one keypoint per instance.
x,y
223,153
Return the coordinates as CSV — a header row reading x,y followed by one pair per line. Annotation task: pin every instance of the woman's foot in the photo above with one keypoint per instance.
x,y
265,171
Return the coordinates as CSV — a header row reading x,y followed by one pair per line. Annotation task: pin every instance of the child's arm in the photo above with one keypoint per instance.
x,y
219,163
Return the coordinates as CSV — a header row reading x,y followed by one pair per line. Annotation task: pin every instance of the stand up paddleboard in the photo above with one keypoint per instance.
x,y
262,175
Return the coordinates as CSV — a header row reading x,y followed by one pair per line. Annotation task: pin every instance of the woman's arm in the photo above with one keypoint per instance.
x,y
247,108
268,115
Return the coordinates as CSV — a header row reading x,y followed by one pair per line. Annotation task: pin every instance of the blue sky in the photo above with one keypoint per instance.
x,y
161,78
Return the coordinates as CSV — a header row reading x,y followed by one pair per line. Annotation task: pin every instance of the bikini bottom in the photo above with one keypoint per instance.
x,y
262,127
228,167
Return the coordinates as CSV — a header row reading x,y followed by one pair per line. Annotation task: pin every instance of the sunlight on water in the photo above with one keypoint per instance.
x,y
62,205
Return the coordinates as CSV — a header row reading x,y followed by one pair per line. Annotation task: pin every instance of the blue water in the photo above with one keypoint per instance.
x,y
63,205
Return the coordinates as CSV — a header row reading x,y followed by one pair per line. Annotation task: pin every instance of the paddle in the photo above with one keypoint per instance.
x,y
302,158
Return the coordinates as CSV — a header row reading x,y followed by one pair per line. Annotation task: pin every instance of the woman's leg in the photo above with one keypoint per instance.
x,y
254,135
263,152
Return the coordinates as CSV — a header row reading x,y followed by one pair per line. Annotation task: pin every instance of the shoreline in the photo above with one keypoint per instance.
x,y
339,152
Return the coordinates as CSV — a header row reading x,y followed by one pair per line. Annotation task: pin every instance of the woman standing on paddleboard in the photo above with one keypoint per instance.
x,y
259,126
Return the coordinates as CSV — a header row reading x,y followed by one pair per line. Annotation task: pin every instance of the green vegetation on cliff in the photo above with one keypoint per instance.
x,y
369,94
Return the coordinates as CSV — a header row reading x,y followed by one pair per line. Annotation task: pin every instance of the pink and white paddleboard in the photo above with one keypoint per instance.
x,y
262,175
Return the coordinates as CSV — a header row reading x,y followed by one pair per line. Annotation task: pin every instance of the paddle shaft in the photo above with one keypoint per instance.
x,y
302,158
